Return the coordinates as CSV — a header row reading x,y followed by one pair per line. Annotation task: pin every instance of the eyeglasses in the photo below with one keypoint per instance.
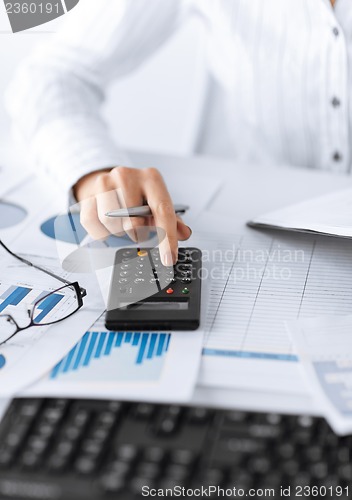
x,y
48,309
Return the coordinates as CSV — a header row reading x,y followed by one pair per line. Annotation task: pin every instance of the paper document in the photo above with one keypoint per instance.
x,y
258,282
32,352
325,349
147,366
329,214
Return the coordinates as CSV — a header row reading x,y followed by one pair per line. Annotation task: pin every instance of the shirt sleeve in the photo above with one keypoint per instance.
x,y
56,95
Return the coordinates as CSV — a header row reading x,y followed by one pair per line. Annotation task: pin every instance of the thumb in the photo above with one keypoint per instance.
x,y
183,231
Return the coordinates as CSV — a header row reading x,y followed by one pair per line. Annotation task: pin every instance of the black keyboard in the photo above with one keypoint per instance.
x,y
81,449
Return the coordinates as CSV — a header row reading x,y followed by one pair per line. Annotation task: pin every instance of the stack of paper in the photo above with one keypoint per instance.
x,y
329,214
325,349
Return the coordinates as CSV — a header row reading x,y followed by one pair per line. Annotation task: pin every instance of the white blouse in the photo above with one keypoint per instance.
x,y
281,69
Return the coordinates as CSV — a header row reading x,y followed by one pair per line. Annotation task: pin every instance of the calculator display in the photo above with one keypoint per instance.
x,y
155,306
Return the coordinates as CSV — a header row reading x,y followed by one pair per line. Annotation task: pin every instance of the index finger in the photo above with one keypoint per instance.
x,y
160,203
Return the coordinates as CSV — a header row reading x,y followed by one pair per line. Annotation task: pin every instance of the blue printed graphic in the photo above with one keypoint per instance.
x,y
13,296
115,356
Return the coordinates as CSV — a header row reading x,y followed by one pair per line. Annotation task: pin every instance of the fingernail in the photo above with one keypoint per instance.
x,y
167,259
190,232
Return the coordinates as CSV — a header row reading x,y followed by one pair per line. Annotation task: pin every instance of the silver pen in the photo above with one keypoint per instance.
x,y
143,211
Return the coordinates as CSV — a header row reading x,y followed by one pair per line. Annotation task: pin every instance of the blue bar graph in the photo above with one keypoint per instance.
x,y
8,292
13,296
109,344
145,338
152,344
48,305
119,339
96,346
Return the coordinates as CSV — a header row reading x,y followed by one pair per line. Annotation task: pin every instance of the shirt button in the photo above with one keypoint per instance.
x,y
335,31
337,156
335,102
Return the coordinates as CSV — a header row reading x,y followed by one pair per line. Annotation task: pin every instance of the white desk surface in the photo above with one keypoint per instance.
x,y
247,191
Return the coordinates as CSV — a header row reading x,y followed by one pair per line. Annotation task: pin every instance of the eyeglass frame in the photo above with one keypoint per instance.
x,y
80,292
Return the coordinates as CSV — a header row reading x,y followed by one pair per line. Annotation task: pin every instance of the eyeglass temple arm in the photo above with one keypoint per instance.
x,y
29,263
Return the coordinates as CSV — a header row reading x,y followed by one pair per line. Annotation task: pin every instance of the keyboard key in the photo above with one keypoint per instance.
x,y
92,447
106,419
6,457
286,450
148,470
259,465
318,471
119,467
112,483
155,454
314,453
345,472
57,463
168,420
30,408
37,444
199,415
177,472
183,457
30,459
235,417
126,452
137,484
85,465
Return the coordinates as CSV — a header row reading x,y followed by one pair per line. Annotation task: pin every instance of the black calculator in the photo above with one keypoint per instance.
x,y
146,295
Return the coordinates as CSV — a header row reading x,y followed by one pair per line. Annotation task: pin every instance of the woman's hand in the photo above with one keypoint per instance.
x,y
123,187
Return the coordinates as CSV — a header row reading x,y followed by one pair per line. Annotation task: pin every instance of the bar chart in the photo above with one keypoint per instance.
x,y
2,361
15,295
102,355
47,305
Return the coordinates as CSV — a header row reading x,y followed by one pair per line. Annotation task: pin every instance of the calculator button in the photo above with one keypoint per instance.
x,y
139,280
186,280
126,259
170,291
125,266
186,274
142,253
185,291
127,253
125,274
124,280
139,274
185,267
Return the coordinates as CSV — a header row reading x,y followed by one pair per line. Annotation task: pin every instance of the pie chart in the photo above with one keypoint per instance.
x,y
68,228
11,214
2,361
